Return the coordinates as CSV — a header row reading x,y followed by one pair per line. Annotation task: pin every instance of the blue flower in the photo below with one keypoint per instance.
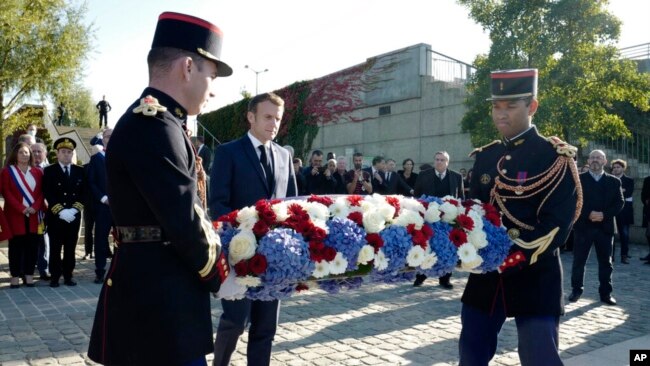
x,y
287,257
347,238
226,237
397,242
496,251
269,293
445,250
430,199
335,286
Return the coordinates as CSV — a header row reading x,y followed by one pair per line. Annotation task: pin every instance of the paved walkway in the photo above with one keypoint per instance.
x,y
375,325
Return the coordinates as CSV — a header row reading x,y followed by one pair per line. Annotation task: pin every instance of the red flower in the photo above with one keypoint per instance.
x,y
317,233
494,218
393,201
231,218
329,254
375,241
357,217
216,224
241,268
301,286
453,202
425,204
265,212
316,250
258,264
458,237
427,231
260,228
489,208
320,199
465,222
355,200
275,201
419,239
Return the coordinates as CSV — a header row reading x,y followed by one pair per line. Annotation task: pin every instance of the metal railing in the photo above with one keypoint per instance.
x,y
449,69
635,147
211,140
638,52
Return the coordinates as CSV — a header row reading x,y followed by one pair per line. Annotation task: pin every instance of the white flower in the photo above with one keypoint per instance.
x,y
478,209
469,266
412,204
467,253
381,262
321,270
242,246
317,211
373,222
366,254
449,212
247,217
429,261
432,214
478,219
367,206
415,256
281,211
340,208
407,217
387,211
478,238
249,281
339,264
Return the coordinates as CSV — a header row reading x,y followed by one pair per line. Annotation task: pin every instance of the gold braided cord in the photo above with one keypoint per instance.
x,y
576,179
549,179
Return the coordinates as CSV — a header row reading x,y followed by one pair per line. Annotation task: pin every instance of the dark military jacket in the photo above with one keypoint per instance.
x,y
626,216
62,192
154,308
534,287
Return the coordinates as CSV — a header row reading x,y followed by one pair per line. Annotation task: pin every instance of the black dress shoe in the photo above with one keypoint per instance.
x,y
45,277
446,285
419,280
575,296
14,286
608,300
54,283
70,282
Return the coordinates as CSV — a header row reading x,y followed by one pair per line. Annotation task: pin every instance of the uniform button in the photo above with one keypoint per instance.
x,y
508,157
65,194
109,282
504,171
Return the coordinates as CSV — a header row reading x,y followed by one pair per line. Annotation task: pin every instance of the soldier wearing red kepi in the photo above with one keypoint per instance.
x,y
154,307
533,181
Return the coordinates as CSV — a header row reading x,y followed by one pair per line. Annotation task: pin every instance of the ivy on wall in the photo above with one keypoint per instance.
x,y
308,105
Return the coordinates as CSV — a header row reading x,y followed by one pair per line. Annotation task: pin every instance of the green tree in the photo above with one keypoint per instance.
x,y
581,73
43,44
80,107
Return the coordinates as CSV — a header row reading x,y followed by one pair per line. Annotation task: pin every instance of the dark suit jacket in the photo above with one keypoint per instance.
x,y
608,199
425,183
626,216
96,175
206,157
396,184
377,187
645,200
240,180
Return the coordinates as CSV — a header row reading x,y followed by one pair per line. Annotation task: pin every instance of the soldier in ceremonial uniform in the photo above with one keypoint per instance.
x,y
533,181
63,188
154,307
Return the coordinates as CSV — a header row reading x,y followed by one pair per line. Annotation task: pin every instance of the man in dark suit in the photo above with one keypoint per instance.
x,y
528,288
394,182
625,218
251,168
602,201
645,199
99,200
154,306
439,182
63,188
377,174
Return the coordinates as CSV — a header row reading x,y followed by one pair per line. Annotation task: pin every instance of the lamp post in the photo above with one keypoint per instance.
x,y
257,73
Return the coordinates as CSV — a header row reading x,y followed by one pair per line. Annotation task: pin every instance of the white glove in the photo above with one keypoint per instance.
x,y
231,290
73,211
66,216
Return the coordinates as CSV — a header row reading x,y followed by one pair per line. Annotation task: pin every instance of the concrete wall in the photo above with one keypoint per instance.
x,y
425,116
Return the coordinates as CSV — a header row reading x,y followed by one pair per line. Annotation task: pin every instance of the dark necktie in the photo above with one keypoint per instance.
x,y
267,168
388,177
66,171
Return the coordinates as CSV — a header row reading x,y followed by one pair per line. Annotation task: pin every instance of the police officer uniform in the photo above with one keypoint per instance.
x,y
63,188
533,181
154,307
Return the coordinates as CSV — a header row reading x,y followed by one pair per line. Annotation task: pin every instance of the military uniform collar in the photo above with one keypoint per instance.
x,y
172,105
516,141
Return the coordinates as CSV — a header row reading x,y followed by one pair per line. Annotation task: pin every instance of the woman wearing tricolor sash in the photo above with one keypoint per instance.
x,y
21,185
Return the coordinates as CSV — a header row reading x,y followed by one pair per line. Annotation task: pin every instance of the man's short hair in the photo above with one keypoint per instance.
x,y
297,161
620,162
316,153
376,160
389,160
160,59
39,144
264,97
446,154
357,154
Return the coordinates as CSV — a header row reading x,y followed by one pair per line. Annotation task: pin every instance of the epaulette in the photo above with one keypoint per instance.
x,y
149,106
479,149
561,147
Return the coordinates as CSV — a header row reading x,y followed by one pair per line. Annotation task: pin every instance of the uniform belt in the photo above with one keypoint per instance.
x,y
139,234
